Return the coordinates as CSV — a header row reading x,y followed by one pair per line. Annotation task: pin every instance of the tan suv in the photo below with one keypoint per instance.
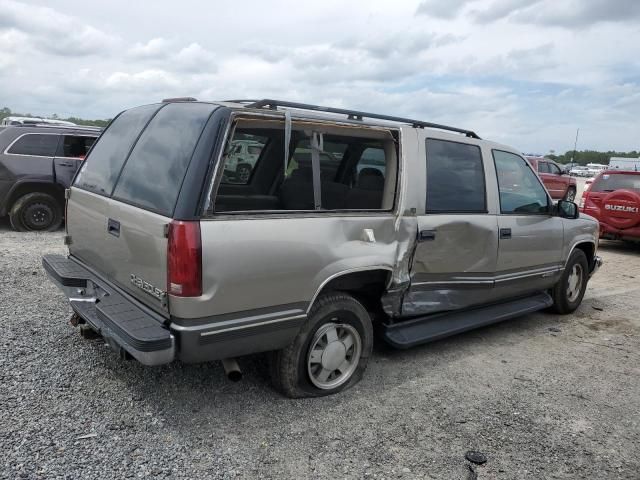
x,y
348,221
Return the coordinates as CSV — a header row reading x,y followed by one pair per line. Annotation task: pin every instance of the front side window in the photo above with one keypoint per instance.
x,y
74,146
153,174
100,171
455,178
520,188
35,144
554,169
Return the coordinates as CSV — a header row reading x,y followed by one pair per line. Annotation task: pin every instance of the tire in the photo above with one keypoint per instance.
x,y
243,173
36,212
334,321
568,296
570,196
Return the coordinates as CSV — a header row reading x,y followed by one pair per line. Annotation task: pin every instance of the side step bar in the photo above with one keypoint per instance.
x,y
406,334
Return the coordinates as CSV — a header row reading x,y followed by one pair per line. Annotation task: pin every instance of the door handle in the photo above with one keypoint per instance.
x,y
505,233
66,164
426,235
113,227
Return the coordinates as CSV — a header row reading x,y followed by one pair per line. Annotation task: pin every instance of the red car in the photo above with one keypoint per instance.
x,y
614,199
560,185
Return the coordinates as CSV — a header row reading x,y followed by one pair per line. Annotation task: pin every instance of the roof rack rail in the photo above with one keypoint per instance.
x,y
49,125
351,114
179,99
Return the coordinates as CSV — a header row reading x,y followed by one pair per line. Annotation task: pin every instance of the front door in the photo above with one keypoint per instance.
x,y
530,237
456,254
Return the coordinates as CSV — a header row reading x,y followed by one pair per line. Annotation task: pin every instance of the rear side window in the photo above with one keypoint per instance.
x,y
616,181
543,167
154,172
455,177
100,172
36,144
74,146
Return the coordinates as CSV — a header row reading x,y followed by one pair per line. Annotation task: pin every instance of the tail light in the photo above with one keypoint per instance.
x,y
184,259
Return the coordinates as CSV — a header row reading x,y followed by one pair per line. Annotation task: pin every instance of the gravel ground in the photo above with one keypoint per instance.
x,y
542,396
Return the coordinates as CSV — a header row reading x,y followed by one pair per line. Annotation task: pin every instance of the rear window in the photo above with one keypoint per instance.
x,y
100,172
36,144
610,182
154,172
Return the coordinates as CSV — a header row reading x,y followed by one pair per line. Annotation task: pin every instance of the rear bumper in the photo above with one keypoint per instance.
x,y
124,323
613,233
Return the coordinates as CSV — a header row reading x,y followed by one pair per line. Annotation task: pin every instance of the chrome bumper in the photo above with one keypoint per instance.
x,y
597,263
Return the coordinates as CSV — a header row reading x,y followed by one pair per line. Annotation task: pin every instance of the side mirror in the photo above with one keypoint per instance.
x,y
567,209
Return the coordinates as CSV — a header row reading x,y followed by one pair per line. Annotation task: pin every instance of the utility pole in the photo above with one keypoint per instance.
x,y
575,146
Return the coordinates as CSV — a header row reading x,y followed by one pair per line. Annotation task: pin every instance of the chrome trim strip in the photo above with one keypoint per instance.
x,y
243,322
242,327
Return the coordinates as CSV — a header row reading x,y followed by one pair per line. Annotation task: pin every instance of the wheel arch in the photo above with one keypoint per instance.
x,y
589,249
22,188
367,284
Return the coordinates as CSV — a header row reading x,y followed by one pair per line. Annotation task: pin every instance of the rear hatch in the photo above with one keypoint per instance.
x,y
614,199
124,196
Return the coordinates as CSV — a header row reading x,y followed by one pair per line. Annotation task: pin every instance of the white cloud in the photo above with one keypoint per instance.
x,y
498,67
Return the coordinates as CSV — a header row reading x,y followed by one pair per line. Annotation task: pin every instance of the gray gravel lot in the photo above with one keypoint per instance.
x,y
543,396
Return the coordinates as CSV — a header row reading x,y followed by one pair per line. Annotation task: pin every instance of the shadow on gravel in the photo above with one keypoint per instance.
x,y
618,246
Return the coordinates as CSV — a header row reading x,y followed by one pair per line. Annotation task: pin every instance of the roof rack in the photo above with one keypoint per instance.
x,y
65,127
351,114
179,99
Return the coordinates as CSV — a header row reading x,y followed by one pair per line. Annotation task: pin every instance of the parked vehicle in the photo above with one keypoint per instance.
x,y
13,120
241,159
37,163
558,183
614,199
580,171
621,163
167,260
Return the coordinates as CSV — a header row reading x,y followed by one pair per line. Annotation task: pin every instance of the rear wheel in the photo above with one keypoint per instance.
x,y
329,354
570,196
36,212
569,291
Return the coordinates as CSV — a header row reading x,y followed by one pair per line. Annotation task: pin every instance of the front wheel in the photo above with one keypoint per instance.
x,y
330,353
568,292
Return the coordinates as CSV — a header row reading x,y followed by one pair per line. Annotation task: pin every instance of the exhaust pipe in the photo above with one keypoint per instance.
x,y
232,369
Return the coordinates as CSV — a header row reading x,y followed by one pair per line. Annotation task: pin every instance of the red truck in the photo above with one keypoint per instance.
x,y
614,200
560,185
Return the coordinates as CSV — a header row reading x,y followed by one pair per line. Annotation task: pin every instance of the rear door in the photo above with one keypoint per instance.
x,y
88,207
530,237
72,150
456,254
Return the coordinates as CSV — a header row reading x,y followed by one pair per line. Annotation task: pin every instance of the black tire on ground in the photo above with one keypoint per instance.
x,y
570,196
567,295
292,367
36,212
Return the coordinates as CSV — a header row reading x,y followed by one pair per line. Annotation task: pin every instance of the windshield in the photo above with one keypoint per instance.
x,y
616,181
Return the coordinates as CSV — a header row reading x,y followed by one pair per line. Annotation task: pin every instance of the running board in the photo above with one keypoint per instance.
x,y
406,334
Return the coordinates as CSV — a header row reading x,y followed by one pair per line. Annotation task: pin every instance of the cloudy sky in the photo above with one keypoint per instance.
x,y
523,72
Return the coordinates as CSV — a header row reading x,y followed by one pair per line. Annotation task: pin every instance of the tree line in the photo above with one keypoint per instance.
x,y
583,157
6,112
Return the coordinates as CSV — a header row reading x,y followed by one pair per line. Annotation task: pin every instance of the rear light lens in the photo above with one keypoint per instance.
x,y
184,259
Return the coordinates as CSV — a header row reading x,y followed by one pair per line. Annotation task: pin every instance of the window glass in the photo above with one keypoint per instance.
x,y
349,179
554,169
43,145
244,152
455,177
154,172
520,188
101,169
610,182
74,146
543,167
